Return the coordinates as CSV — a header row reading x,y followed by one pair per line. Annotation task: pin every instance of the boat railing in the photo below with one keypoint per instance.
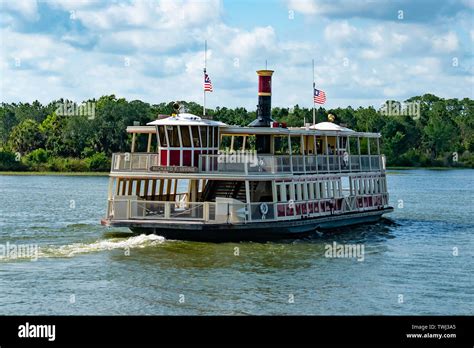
x,y
126,208
257,164
298,164
131,208
134,161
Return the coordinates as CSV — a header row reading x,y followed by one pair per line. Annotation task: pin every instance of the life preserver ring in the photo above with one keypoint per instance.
x,y
264,208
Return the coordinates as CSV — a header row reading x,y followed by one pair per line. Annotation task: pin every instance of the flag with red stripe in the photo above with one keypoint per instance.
x,y
319,96
207,83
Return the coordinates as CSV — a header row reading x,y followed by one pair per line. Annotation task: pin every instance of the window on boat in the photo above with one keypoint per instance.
x,y
295,145
237,143
185,136
195,133
373,146
225,142
364,147
342,144
162,136
173,136
281,145
328,189
283,193
330,146
330,193
299,193
250,142
291,192
353,150
319,145
309,144
262,192
216,136
204,135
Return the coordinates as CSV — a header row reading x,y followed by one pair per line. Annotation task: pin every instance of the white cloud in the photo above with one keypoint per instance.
x,y
356,63
426,66
446,43
249,43
339,31
338,7
142,40
30,47
136,13
27,9
189,13
170,14
76,4
306,7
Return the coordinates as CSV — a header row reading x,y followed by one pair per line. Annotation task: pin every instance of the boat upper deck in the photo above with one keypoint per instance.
x,y
192,147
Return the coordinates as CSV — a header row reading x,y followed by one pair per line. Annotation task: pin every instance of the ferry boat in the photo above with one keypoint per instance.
x,y
204,180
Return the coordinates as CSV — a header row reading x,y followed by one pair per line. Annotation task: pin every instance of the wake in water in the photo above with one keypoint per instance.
x,y
70,250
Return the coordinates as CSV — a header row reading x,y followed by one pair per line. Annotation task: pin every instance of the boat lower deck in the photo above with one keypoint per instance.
x,y
257,231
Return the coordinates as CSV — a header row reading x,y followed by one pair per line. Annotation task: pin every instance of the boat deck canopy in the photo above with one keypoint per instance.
x,y
186,119
323,128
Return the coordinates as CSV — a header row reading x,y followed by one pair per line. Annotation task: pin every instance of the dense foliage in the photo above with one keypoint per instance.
x,y
36,137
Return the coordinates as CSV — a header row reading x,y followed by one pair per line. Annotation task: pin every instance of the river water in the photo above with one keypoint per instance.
x,y
419,261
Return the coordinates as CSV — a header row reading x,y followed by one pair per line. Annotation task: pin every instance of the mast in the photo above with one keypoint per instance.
x,y
204,89
314,86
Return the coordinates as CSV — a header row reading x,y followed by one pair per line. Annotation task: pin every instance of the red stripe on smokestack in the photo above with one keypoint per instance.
x,y
265,82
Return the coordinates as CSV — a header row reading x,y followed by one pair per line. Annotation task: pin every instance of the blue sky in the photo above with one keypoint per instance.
x,y
366,51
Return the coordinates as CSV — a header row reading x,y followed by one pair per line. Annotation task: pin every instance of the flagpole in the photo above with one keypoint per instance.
x,y
205,64
314,86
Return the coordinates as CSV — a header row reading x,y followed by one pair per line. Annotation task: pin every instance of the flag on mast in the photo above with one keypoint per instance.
x,y
319,96
207,83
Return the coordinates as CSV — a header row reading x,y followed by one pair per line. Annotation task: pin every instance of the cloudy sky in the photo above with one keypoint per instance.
x,y
365,51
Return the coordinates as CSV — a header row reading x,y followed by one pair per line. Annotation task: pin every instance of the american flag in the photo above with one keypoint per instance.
x,y
207,83
319,96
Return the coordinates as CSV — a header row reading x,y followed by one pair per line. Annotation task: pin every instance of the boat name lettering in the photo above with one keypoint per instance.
x,y
174,169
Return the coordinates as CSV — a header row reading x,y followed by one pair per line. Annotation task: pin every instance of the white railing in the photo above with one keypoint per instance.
x,y
129,209
134,161
211,212
258,164
269,164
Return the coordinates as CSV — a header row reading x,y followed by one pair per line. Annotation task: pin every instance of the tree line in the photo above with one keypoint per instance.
x,y
36,137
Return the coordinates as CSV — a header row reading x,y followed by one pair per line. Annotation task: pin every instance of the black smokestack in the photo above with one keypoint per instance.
x,y
264,107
